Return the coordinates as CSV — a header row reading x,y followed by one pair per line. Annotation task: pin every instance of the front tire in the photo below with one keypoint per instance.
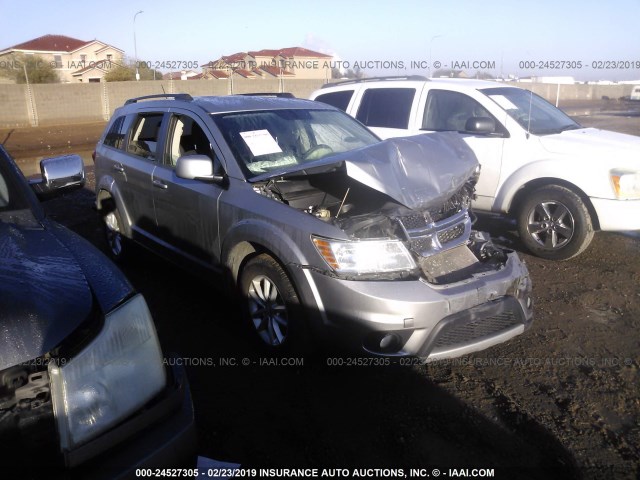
x,y
554,223
272,307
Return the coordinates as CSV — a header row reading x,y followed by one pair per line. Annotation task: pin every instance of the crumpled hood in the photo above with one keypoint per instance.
x,y
593,142
44,295
418,172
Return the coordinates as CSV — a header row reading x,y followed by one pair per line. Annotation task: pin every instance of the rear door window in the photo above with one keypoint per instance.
x,y
339,99
145,135
386,107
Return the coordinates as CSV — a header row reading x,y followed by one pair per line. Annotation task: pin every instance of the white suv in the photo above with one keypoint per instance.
x,y
559,180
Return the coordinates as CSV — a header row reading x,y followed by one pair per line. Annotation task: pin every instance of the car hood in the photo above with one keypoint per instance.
x,y
418,172
594,142
46,279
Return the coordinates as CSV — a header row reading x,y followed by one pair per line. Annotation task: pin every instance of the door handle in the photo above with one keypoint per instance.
x,y
160,184
118,167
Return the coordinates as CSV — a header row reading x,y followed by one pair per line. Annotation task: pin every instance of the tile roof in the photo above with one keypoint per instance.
x,y
236,57
244,73
218,74
51,43
276,71
264,53
300,52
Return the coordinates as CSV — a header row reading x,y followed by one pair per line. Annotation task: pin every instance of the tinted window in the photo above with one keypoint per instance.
x,y
115,135
446,110
336,99
386,107
144,135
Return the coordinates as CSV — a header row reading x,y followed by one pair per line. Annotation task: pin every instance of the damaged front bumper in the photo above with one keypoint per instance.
x,y
419,318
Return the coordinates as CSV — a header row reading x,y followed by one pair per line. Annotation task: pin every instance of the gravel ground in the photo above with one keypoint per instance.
x,y
561,399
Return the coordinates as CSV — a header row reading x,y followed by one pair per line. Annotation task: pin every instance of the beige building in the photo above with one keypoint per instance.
x,y
74,60
294,62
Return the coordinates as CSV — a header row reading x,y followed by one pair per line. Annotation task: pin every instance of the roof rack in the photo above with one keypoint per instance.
x,y
176,96
268,94
375,79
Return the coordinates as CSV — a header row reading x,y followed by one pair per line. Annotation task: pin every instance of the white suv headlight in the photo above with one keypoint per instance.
x,y
366,256
113,376
626,185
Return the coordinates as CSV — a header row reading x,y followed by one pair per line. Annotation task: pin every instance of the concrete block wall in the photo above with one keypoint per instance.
x,y
51,104
67,101
15,105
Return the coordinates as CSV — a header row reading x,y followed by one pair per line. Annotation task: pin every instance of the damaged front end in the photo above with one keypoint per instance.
x,y
405,200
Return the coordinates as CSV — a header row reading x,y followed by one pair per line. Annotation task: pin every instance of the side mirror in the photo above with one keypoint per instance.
x,y
480,125
197,167
58,175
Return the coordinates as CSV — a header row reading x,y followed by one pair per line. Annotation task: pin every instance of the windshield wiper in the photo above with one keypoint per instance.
x,y
572,126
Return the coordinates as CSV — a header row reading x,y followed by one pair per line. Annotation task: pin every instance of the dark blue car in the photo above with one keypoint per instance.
x,y
85,390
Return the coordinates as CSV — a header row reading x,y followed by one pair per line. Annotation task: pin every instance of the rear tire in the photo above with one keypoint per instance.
x,y
118,245
554,223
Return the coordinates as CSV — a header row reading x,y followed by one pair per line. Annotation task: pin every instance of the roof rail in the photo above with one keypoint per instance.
x,y
268,94
176,96
375,79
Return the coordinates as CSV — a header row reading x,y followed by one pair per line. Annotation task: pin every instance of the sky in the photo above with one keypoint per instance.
x,y
586,39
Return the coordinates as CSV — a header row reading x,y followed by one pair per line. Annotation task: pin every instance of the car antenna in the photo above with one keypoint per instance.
x,y
162,87
343,200
529,119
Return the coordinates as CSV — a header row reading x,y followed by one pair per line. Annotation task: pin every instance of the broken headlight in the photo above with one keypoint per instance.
x,y
113,376
364,256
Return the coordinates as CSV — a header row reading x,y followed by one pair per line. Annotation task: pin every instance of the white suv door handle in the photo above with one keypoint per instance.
x,y
160,184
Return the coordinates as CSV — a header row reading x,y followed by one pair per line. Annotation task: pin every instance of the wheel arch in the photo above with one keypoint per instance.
x,y
111,198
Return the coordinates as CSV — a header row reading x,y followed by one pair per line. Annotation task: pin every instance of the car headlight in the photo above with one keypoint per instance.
x,y
626,185
365,256
113,376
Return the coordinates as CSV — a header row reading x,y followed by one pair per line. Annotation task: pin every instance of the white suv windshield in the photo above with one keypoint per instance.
x,y
268,140
532,112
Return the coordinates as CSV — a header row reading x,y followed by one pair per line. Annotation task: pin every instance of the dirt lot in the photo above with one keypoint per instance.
x,y
562,398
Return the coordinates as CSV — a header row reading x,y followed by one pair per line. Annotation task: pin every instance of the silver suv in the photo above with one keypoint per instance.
x,y
325,230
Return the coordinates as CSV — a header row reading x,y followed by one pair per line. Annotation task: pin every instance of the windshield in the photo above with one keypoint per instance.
x,y
12,197
532,112
268,140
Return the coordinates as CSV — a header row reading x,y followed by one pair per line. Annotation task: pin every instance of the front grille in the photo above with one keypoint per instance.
x,y
468,327
413,222
447,236
423,244
467,333
429,238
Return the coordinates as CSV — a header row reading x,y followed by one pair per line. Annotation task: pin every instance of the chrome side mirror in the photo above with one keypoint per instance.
x,y
59,175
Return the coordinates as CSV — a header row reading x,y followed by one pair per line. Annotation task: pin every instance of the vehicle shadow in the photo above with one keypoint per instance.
x,y
503,230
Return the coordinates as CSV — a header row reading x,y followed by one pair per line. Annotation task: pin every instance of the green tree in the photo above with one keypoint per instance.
x,y
37,69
